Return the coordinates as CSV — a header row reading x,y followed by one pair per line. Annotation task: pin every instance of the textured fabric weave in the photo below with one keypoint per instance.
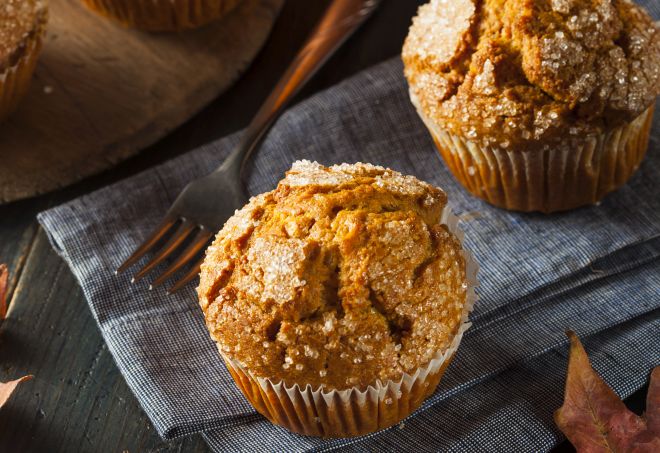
x,y
595,270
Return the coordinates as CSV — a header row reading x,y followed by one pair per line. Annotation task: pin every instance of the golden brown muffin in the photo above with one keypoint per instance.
x,y
339,278
22,25
536,104
162,15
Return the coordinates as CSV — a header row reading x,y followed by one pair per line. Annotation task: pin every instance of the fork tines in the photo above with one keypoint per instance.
x,y
178,231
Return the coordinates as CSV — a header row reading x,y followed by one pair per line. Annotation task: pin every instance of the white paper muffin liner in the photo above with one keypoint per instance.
x,y
355,411
546,178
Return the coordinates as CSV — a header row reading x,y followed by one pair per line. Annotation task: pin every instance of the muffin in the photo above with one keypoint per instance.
x,y
338,299
536,105
162,15
22,26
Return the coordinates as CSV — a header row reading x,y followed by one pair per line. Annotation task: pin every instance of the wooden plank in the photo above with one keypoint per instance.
x,y
18,230
111,91
78,400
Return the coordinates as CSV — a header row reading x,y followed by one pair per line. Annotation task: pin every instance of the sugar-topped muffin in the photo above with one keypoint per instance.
x,y
536,104
22,25
340,277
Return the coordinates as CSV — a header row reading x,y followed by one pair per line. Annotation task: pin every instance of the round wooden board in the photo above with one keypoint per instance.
x,y
101,93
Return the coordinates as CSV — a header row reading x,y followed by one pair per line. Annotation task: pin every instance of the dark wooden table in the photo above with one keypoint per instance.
x,y
78,400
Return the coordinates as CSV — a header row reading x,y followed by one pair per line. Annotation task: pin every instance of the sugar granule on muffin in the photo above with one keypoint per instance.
x,y
340,277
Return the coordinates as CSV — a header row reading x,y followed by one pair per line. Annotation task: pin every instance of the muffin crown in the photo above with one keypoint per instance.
x,y
19,19
339,277
527,70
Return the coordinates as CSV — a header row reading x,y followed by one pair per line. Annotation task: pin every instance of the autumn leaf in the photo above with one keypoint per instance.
x,y
595,419
7,388
4,283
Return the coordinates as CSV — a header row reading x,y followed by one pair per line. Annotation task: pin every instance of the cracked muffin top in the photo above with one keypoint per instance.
x,y
337,278
19,19
517,71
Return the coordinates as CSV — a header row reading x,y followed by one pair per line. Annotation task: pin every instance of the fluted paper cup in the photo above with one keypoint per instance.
x,y
355,411
162,15
15,80
546,178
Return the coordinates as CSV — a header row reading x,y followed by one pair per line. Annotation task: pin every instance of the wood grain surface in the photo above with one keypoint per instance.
x,y
78,400
101,93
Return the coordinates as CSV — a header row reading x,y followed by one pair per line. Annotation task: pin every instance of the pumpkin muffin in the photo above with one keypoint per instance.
x,y
22,26
338,299
162,15
536,105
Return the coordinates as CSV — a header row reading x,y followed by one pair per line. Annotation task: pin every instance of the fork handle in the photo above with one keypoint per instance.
x,y
339,22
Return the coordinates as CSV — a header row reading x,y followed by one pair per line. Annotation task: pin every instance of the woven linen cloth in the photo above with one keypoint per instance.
x,y
595,270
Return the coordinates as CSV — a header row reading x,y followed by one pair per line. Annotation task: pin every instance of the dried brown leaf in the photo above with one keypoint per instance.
x,y
4,285
595,419
7,388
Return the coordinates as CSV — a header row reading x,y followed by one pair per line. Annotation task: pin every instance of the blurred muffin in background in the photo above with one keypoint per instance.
x,y
162,15
536,105
22,26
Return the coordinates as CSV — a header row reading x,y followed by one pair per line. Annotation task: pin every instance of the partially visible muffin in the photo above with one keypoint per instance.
x,y
162,15
22,26
338,279
536,104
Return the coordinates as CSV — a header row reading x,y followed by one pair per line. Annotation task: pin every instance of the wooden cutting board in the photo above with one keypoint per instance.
x,y
101,92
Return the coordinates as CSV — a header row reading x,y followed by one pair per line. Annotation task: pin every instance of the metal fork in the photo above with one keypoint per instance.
x,y
206,203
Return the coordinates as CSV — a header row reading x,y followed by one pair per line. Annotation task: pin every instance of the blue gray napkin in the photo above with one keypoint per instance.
x,y
595,270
